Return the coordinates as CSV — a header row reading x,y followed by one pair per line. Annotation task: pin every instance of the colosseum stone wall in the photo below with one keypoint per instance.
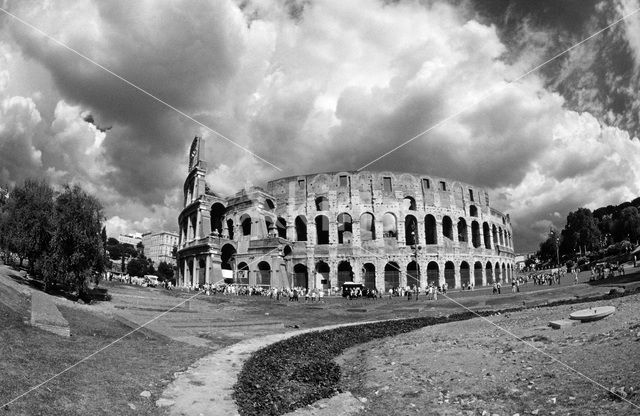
x,y
383,229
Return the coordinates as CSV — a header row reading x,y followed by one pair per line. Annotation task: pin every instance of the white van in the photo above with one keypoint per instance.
x,y
151,280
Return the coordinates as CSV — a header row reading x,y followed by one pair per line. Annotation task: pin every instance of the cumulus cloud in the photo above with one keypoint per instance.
x,y
309,86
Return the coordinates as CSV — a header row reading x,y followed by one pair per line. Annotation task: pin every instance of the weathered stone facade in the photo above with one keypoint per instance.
x,y
383,229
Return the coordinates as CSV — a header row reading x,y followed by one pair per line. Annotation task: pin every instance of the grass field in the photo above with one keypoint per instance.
x,y
108,383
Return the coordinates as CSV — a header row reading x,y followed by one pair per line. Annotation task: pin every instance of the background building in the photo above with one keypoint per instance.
x,y
132,239
159,246
384,229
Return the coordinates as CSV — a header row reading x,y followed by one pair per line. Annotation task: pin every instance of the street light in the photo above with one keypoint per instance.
x,y
556,239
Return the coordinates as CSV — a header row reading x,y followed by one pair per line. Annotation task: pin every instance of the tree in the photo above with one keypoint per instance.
x,y
77,253
137,267
165,271
580,232
627,225
29,221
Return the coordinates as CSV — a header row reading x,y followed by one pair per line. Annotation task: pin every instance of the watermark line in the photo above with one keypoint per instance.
x,y
516,337
496,89
142,90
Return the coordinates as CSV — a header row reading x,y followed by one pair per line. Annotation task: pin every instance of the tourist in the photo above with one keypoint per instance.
x,y
495,288
499,286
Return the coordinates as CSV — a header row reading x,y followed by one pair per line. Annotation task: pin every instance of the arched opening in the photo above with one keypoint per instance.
x,y
391,275
367,227
430,230
410,230
489,273
345,229
230,229
322,275
389,226
447,228
495,236
270,205
264,274
301,228
227,254
413,274
497,275
322,229
369,276
322,203
300,276
245,221
473,211
409,204
433,273
450,274
477,274
217,217
505,277
500,236
462,230
345,273
281,226
475,234
487,235
242,275
465,274
271,228
287,251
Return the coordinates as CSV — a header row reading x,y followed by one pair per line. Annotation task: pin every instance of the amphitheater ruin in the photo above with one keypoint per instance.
x,y
381,229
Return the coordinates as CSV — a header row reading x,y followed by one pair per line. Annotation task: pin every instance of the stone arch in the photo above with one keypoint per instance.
x,y
465,274
489,273
264,274
475,234
246,223
300,276
227,254
505,276
345,273
322,229
473,211
270,205
500,236
409,203
389,226
495,235
487,235
477,274
447,227
369,275
345,228
271,228
413,274
497,274
281,226
217,217
230,228
367,227
430,229
391,275
410,230
462,230
323,270
433,273
450,274
301,228
322,203
242,274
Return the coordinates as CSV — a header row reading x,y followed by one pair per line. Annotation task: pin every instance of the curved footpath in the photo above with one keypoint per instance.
x,y
206,388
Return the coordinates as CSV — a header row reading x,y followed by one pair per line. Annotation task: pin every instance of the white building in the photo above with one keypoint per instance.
x,y
132,239
159,246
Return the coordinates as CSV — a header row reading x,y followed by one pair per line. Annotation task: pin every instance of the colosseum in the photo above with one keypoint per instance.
x,y
381,229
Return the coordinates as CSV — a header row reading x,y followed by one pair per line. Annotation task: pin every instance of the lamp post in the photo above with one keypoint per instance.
x,y
415,247
556,240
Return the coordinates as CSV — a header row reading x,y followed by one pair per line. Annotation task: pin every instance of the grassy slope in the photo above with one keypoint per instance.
x,y
104,384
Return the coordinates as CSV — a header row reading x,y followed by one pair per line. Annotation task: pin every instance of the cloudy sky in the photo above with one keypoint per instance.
x,y
324,85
